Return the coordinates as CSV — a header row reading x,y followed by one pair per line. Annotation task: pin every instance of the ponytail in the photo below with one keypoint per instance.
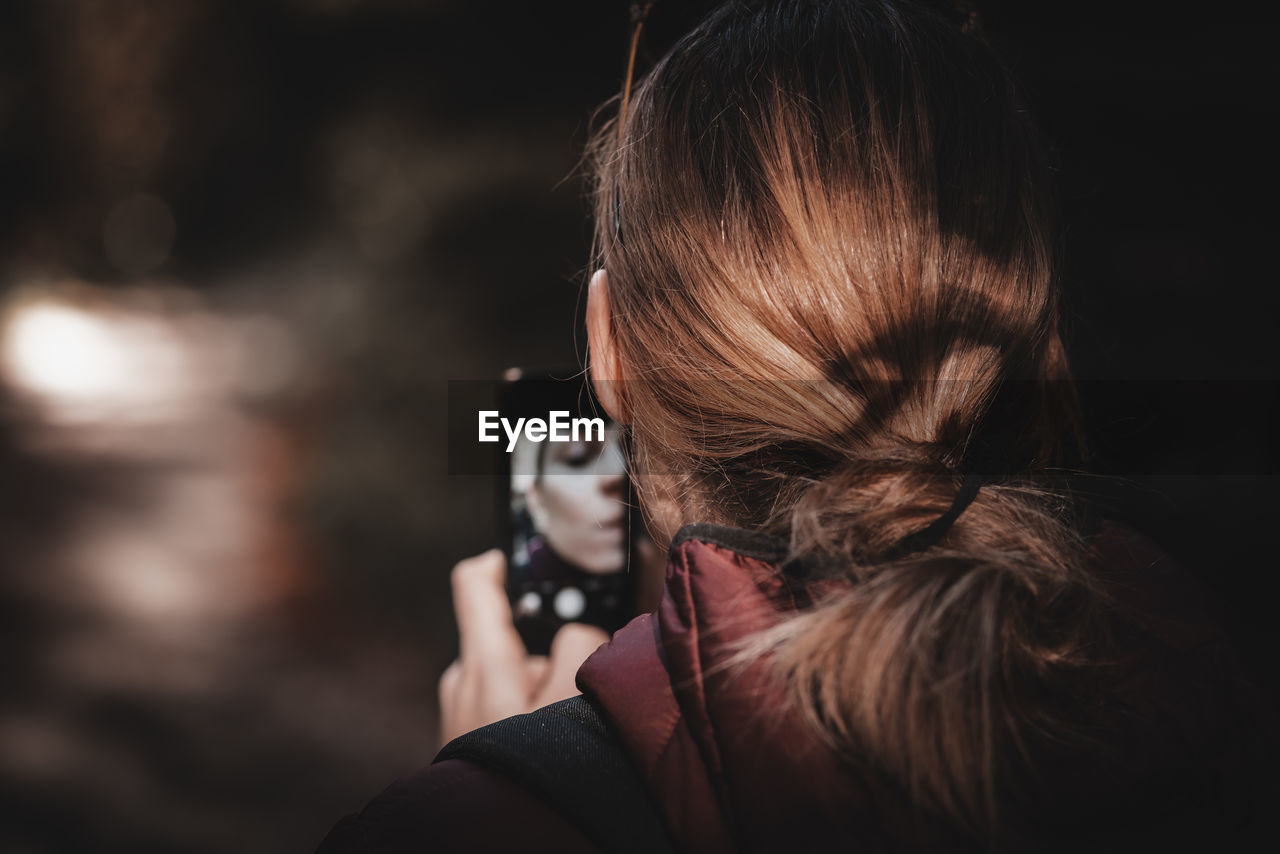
x,y
946,668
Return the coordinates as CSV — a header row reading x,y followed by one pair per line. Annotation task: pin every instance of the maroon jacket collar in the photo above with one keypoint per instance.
x,y
723,758
730,767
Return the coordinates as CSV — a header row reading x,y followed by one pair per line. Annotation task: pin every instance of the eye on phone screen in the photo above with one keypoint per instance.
x,y
565,507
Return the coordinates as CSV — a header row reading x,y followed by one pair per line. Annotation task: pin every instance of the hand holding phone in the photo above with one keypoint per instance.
x,y
564,506
494,677
530,613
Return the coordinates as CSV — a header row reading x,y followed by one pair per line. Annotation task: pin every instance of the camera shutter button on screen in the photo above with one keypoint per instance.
x,y
570,603
529,605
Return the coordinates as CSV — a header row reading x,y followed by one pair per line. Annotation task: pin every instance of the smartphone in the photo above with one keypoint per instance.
x,y
564,503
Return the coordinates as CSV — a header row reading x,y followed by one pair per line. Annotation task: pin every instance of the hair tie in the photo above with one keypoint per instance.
x,y
935,530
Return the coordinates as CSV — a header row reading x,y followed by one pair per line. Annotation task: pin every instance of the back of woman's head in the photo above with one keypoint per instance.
x,y
831,280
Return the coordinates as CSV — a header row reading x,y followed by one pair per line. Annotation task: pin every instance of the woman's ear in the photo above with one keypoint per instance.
x,y
606,372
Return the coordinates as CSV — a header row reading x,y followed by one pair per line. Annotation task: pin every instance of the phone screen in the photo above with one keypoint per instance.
x,y
564,505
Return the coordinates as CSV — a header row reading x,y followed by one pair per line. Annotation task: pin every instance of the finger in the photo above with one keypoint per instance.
x,y
570,647
536,669
486,633
448,685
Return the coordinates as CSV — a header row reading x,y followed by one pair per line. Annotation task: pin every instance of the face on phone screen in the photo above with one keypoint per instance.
x,y
575,504
569,546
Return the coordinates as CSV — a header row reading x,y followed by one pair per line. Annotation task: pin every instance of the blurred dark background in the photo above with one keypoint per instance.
x,y
245,245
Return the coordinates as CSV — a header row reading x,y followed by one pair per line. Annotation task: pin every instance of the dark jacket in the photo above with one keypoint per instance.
x,y
730,768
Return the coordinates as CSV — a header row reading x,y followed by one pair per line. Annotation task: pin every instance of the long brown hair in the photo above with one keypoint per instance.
x,y
831,275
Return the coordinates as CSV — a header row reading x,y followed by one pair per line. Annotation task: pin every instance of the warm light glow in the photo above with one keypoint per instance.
x,y
63,352
109,364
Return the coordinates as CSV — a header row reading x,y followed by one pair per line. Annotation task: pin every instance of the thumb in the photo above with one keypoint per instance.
x,y
570,647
